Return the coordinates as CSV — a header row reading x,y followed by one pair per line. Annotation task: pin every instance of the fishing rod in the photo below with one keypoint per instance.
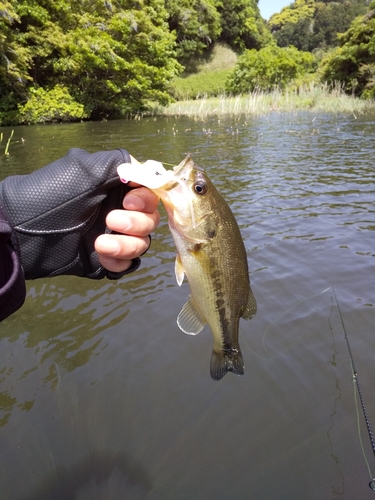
x,y
355,379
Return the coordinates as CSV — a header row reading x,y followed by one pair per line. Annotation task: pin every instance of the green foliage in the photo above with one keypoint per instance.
x,y
196,24
311,25
367,76
120,61
297,34
13,59
299,9
65,60
111,56
353,63
331,19
55,105
242,25
269,68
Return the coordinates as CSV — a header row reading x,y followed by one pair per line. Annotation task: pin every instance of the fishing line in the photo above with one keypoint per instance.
x,y
359,431
364,410
270,357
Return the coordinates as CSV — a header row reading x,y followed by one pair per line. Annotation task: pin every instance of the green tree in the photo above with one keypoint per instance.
x,y
333,18
310,24
119,60
242,25
299,9
111,56
268,68
13,59
196,24
297,34
353,63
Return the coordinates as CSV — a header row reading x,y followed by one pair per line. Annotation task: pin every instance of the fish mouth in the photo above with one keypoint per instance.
x,y
169,185
153,175
185,167
181,166
182,174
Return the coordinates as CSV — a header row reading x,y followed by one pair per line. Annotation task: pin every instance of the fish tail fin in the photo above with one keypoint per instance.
x,y
223,362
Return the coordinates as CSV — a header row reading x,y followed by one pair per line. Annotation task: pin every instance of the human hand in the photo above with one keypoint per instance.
x,y
135,223
58,212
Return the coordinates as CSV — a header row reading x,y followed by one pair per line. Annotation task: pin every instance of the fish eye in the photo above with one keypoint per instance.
x,y
200,187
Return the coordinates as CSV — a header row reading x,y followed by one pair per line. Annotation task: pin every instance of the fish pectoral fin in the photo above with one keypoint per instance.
x,y
190,320
251,307
179,270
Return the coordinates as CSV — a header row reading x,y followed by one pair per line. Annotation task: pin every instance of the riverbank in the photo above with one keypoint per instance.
x,y
313,97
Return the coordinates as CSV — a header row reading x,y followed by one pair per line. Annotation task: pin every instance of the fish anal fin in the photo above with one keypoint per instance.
x,y
179,270
223,362
251,306
190,320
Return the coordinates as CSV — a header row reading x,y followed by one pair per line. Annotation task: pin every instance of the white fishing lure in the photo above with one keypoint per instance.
x,y
151,174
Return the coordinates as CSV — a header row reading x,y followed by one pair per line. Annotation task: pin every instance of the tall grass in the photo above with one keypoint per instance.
x,y
313,97
6,150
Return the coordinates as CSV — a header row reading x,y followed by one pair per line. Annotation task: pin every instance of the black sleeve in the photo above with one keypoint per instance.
x,y
12,281
57,212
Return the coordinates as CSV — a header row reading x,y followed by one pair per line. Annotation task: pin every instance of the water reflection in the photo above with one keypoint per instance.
x,y
101,475
338,487
103,396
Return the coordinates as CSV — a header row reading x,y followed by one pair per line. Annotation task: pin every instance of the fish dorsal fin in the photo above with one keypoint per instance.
x,y
251,307
190,319
179,270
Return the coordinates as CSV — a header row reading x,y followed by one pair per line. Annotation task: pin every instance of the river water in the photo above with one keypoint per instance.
x,y
103,397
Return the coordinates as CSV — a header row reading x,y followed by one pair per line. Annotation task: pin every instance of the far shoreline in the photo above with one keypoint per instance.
x,y
314,98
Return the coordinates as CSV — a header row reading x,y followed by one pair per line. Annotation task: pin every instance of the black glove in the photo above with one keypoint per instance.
x,y
57,213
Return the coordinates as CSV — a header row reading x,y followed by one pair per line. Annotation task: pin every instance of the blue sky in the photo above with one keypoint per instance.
x,y
269,7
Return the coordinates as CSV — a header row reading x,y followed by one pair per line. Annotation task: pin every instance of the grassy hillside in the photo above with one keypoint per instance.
x,y
200,92
206,76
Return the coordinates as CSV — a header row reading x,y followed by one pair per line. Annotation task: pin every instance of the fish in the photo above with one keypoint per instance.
x,y
210,253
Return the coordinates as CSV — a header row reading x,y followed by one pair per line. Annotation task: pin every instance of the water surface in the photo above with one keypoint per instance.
x,y
102,396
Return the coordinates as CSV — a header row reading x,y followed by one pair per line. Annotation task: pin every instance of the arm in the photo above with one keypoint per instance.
x,y
12,282
57,221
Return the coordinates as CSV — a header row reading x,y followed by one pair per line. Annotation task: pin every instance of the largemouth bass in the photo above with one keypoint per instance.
x,y
210,252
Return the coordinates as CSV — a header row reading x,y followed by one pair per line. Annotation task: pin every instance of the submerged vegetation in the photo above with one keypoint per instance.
x,y
70,61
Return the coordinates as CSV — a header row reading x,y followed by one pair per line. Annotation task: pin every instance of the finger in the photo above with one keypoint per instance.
x,y
132,223
141,199
121,247
114,265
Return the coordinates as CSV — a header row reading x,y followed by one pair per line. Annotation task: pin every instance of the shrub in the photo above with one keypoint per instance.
x,y
353,62
55,105
269,68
